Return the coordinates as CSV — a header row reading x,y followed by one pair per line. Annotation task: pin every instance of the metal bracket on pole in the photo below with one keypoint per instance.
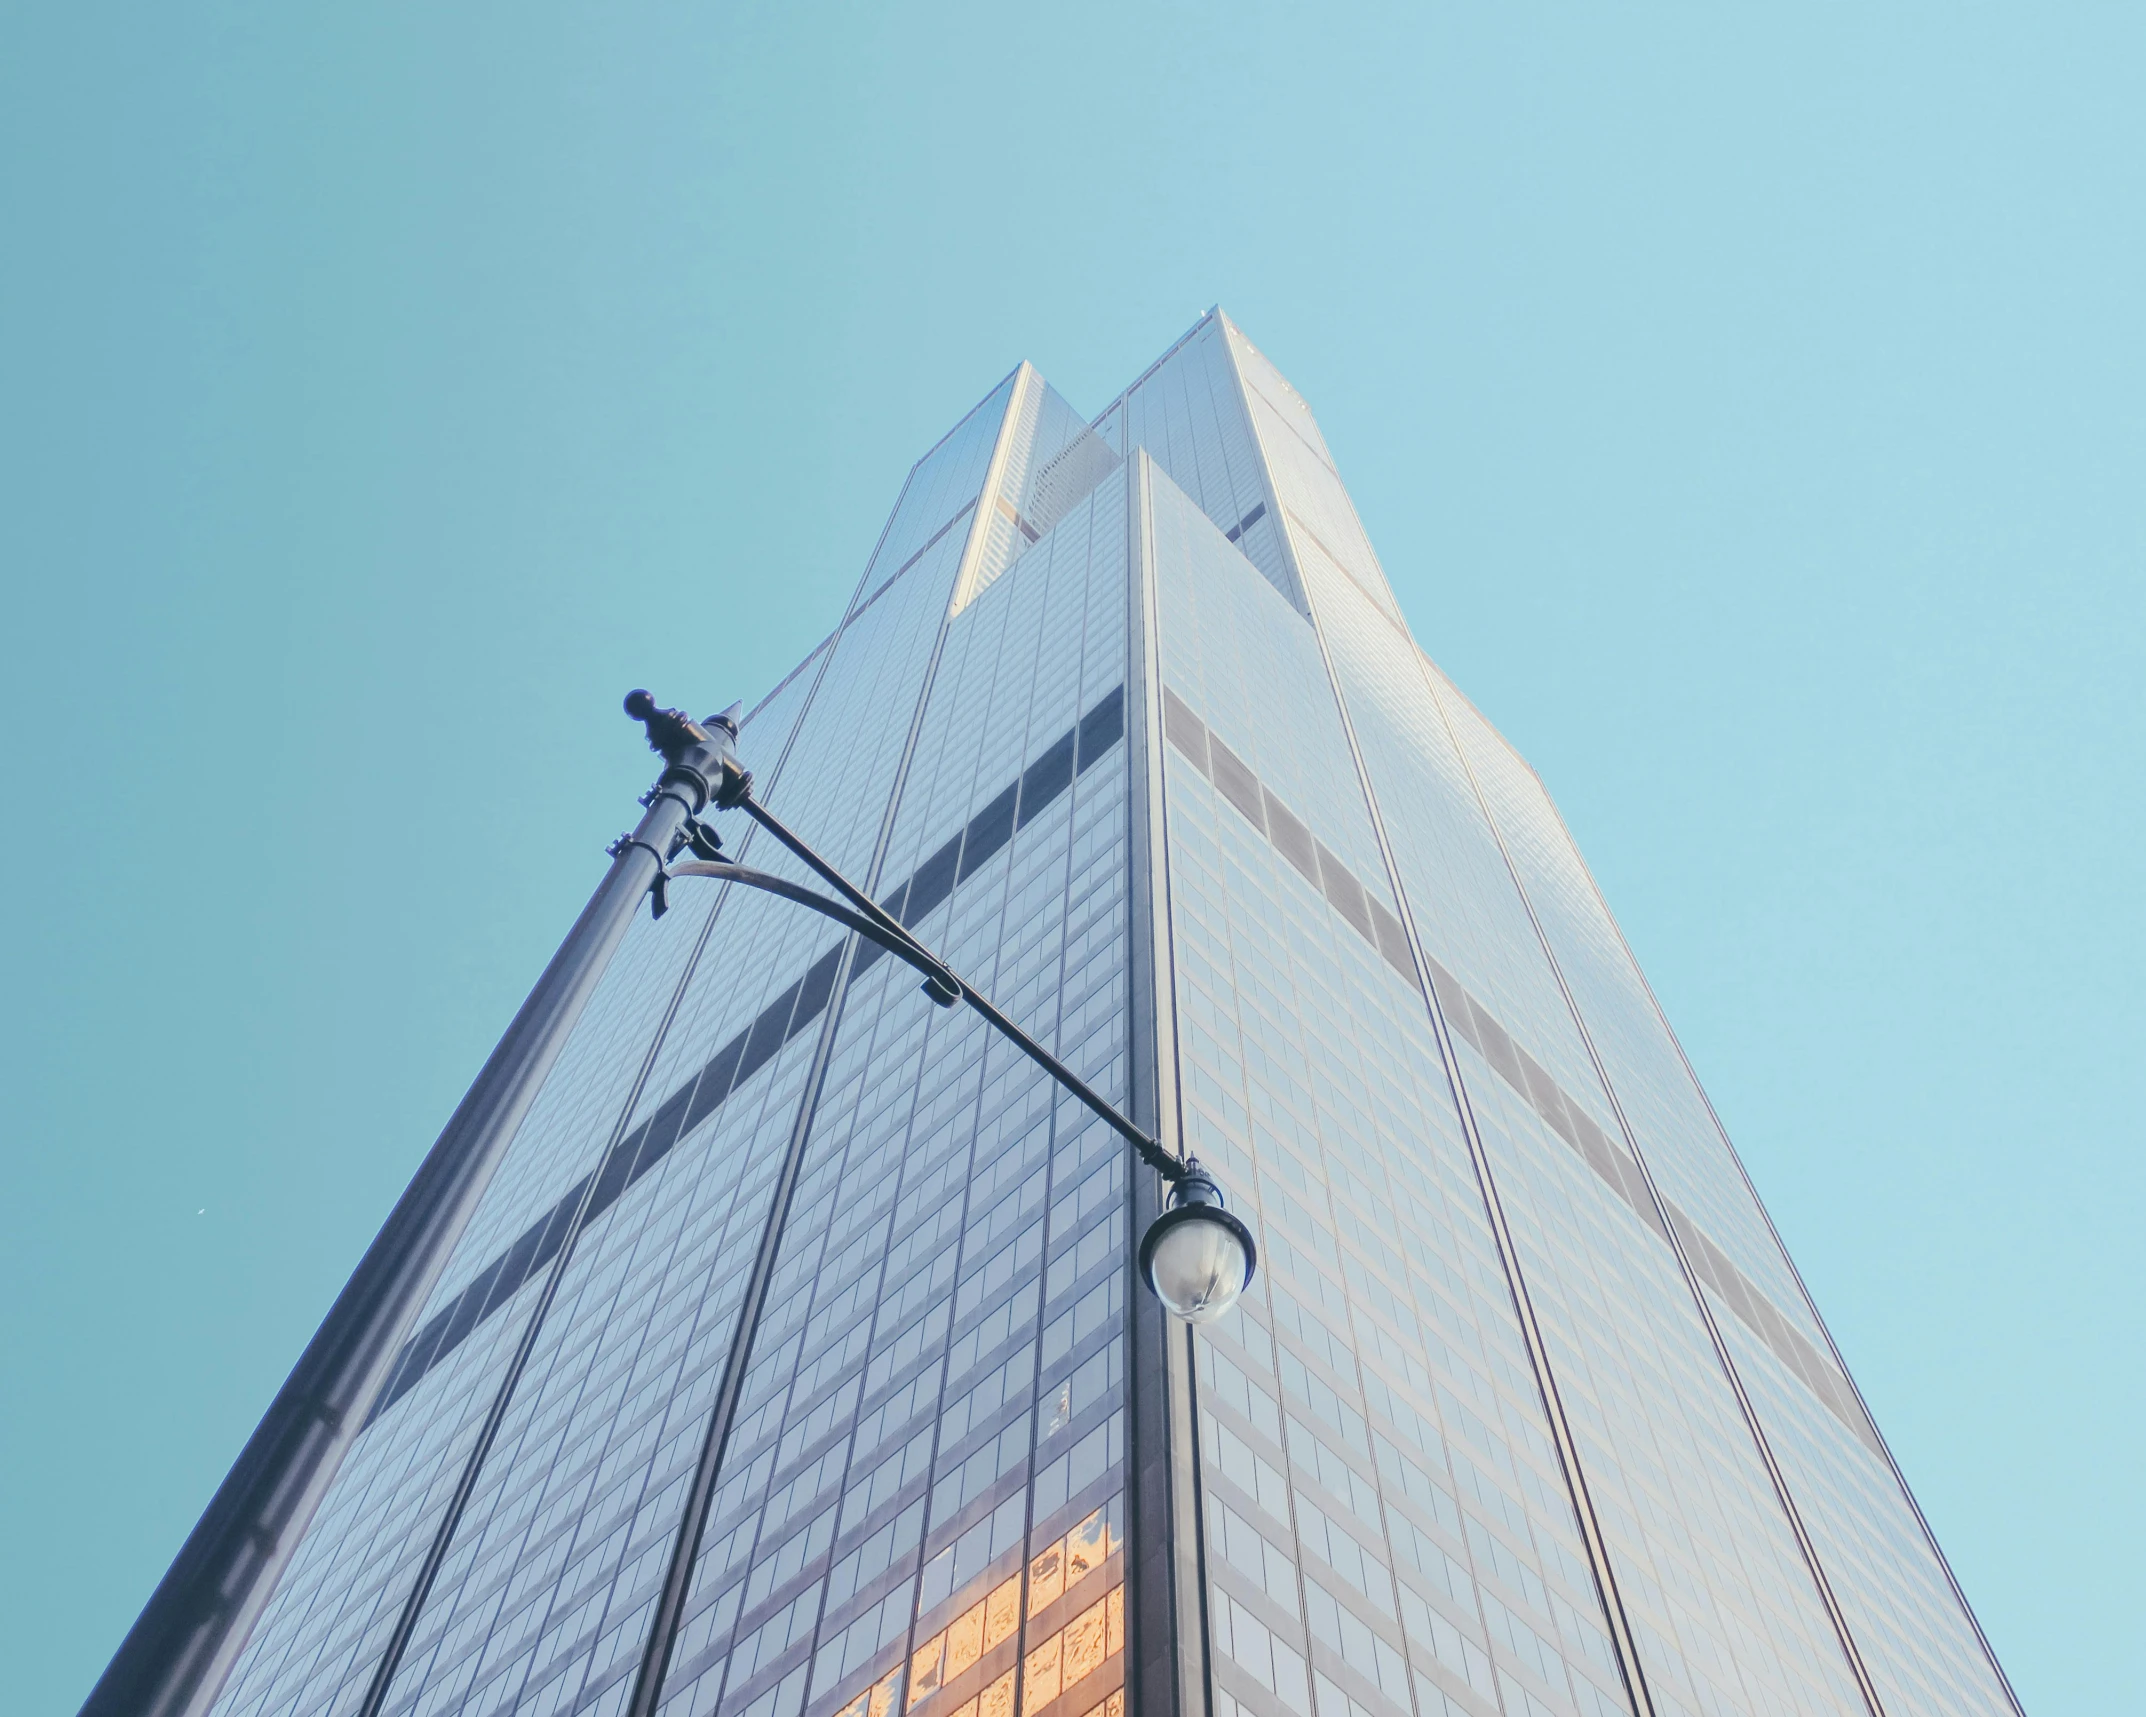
x,y
659,894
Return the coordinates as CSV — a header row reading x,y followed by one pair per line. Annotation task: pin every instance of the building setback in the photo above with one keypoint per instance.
x,y
1526,1412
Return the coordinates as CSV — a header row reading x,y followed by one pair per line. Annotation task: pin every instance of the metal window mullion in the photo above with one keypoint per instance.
x,y
1171,1574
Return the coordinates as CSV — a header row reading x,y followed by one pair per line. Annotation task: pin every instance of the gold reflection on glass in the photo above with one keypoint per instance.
x,y
876,1700
1087,1643
1046,1578
1087,1546
962,1643
924,1668
1040,1686
1002,1612
1075,1652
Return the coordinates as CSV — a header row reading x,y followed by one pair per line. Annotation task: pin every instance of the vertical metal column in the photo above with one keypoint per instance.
x,y
1167,1672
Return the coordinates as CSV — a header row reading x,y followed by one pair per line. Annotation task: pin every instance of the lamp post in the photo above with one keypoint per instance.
x,y
174,1660
1196,1257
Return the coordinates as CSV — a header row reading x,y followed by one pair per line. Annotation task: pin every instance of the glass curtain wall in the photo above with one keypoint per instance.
x,y
1527,1412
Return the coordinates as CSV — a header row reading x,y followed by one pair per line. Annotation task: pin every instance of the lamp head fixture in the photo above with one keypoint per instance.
x,y
1196,1256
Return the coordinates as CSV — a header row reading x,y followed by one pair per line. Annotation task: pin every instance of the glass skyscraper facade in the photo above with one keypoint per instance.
x,y
1526,1412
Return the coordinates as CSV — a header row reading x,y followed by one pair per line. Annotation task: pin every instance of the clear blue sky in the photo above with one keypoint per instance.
x,y
1750,410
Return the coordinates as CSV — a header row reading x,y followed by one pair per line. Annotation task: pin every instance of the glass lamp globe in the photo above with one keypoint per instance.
x,y
1196,1256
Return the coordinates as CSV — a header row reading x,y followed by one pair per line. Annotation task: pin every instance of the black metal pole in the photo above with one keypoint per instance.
x,y
174,1659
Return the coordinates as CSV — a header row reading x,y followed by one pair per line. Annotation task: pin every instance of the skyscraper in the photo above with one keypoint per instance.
x,y
1527,1411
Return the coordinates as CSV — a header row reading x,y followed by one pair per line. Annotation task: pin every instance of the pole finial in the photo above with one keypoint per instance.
x,y
670,731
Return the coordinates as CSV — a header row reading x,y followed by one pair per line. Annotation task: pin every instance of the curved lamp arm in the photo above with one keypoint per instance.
x,y
940,982
901,946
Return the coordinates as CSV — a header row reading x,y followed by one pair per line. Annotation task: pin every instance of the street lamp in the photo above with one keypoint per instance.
x,y
1196,1257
